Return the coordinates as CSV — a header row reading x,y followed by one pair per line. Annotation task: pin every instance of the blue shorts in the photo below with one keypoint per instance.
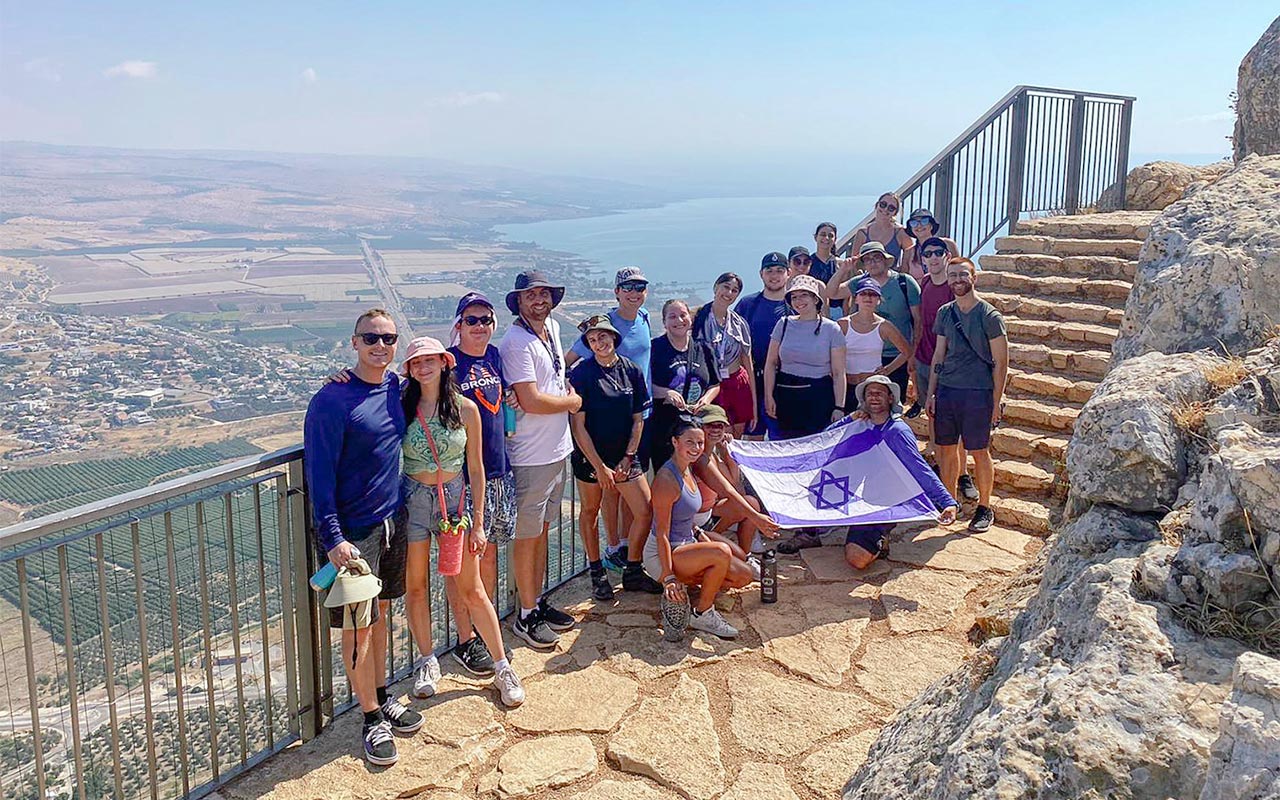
x,y
963,414
868,537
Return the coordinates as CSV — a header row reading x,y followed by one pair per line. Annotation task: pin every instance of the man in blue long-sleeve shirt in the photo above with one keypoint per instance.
x,y
351,440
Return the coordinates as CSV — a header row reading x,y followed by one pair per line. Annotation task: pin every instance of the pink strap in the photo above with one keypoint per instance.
x,y
431,442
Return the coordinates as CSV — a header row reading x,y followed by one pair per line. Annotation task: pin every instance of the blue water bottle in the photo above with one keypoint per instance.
x,y
508,419
324,577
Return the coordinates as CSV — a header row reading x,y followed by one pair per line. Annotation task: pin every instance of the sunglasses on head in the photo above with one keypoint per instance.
x,y
633,286
932,253
371,339
472,320
589,321
890,207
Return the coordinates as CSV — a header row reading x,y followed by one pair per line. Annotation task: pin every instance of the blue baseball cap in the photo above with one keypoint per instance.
x,y
774,259
471,299
868,285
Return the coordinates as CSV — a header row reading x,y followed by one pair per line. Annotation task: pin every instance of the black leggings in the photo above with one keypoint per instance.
x,y
804,404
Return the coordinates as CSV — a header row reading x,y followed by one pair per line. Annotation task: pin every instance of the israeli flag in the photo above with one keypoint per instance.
x,y
846,475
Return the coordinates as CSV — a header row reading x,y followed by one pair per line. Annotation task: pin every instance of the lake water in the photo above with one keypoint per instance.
x,y
692,242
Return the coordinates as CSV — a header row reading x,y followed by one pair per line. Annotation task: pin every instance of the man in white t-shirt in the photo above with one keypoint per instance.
x,y
533,364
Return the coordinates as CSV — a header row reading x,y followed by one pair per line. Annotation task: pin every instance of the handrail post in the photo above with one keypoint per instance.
x,y
1075,152
1017,160
1122,154
309,656
942,188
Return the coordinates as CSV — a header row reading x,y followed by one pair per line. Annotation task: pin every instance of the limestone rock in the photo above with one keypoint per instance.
x,y
1245,760
1207,273
897,668
645,655
757,781
814,631
952,549
763,714
673,740
1127,449
826,770
1159,184
585,700
924,600
459,721
1258,97
546,762
623,790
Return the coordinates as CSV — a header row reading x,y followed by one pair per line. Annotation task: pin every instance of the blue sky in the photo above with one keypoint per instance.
x,y
631,90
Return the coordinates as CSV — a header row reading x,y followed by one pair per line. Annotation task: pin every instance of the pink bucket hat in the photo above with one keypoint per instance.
x,y
426,346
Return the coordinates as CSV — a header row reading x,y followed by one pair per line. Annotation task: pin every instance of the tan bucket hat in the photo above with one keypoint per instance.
x,y
355,590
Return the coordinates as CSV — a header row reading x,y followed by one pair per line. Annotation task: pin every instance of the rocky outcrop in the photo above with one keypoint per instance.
x,y
1258,97
1208,272
1160,184
1245,760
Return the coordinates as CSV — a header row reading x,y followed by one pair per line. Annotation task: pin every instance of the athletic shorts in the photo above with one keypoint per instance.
x,y
385,547
922,382
538,492
735,397
963,415
422,505
500,508
868,537
583,471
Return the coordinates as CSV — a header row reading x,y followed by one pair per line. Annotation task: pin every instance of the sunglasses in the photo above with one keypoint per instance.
x,y
921,222
932,253
473,320
371,339
890,207
633,286
590,321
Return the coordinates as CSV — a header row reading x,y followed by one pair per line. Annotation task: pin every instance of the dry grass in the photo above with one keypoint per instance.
x,y
1174,525
1189,418
1226,375
1254,624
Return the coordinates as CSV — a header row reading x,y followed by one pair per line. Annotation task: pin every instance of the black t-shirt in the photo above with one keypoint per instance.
x,y
610,396
670,368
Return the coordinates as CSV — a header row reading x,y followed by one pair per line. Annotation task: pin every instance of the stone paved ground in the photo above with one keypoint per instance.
x,y
616,713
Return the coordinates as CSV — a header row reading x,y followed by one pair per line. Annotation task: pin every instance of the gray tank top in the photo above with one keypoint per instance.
x,y
682,511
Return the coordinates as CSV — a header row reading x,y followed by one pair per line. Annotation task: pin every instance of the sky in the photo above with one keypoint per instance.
x,y
647,92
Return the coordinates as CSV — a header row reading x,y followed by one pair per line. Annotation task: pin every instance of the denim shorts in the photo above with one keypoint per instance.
x,y
422,506
963,414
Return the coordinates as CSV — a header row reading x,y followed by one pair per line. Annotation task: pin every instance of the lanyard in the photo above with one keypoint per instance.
x,y
462,496
547,343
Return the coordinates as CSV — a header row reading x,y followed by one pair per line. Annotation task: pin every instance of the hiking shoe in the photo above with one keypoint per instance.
x,y
675,618
967,489
535,631
601,588
637,580
509,688
982,519
616,560
711,622
380,745
426,676
801,541
473,656
753,561
914,411
556,619
401,718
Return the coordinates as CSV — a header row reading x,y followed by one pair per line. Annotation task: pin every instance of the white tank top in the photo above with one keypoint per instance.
x,y
862,350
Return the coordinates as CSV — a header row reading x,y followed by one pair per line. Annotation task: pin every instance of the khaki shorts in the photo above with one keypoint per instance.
x,y
538,492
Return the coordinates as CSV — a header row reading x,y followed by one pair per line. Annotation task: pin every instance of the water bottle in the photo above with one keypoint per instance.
x,y
769,577
508,420
326,575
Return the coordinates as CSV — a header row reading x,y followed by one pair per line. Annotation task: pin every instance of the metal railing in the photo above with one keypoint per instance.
x,y
1037,150
158,643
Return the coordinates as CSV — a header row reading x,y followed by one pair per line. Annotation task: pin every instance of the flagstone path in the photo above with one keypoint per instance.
x,y
617,713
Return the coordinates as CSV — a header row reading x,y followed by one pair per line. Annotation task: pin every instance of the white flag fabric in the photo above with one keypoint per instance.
x,y
845,475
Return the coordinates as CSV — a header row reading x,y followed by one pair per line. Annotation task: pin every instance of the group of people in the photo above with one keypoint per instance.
x,y
472,440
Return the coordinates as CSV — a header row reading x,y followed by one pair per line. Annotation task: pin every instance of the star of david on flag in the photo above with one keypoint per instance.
x,y
846,475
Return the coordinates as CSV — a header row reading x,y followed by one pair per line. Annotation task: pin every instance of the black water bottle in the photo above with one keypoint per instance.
x,y
769,577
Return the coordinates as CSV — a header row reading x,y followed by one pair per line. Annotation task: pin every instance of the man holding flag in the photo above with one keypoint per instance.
x,y
865,471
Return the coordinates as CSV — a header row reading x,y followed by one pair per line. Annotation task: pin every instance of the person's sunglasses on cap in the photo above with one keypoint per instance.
x,y
594,320
371,339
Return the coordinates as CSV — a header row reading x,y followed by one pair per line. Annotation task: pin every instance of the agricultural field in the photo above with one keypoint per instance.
x,y
402,263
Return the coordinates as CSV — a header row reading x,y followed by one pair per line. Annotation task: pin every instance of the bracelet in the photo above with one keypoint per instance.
x,y
670,579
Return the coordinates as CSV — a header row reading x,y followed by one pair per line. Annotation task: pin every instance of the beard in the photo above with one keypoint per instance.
x,y
961,289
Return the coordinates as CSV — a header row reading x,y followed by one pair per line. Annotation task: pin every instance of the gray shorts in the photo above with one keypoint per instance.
x,y
500,509
922,381
422,506
538,492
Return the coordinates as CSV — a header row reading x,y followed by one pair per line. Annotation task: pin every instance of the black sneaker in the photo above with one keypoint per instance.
x,y
616,560
914,411
601,588
401,718
967,490
535,631
473,656
983,517
379,744
637,580
556,619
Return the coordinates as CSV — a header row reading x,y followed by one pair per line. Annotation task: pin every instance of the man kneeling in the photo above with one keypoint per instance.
x,y
879,402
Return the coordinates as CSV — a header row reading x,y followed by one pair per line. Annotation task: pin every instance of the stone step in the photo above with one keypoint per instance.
x,y
1126,249
1022,477
1025,443
1054,387
1010,303
1108,292
1048,415
1112,225
1027,515
1095,267
1071,335
1075,363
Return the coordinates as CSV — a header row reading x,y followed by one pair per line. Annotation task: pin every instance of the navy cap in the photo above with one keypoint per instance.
x,y
472,299
797,251
774,259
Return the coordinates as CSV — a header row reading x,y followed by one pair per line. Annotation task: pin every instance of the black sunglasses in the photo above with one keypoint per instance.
x,y
932,253
920,222
883,206
633,286
801,260
371,339
473,320
594,320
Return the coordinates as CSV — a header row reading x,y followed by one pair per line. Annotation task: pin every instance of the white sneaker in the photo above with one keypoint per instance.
x,y
427,675
711,622
753,561
509,688
757,543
